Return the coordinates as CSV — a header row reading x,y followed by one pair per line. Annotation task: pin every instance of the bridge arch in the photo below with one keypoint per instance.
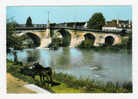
x,y
109,40
36,41
90,37
112,39
66,37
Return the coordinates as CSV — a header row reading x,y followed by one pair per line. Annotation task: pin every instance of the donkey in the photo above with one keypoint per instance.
x,y
42,72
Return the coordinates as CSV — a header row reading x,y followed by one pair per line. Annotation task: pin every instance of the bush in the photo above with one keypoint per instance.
x,y
86,44
56,43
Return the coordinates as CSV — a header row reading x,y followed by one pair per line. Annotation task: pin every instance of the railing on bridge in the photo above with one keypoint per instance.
x,y
77,28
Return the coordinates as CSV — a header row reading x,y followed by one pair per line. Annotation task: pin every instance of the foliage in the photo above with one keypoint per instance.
x,y
66,37
56,43
12,41
30,40
15,70
29,22
66,41
97,21
11,24
59,42
125,46
87,43
129,43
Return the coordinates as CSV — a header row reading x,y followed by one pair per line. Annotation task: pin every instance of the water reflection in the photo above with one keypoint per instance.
x,y
32,56
64,59
83,63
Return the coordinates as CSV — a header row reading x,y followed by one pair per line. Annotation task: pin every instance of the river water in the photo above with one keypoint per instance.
x,y
96,65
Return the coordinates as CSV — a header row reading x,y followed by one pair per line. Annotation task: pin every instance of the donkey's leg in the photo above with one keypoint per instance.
x,y
50,80
33,76
47,80
43,77
41,81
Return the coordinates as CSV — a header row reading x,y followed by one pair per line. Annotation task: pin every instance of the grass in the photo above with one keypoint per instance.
x,y
70,84
90,86
63,88
15,85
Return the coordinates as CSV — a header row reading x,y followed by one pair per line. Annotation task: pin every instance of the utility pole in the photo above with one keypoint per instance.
x,y
48,20
48,27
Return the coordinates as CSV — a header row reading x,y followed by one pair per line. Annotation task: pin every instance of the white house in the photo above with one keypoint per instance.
x,y
117,25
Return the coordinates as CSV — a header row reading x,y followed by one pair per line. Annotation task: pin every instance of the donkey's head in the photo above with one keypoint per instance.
x,y
36,65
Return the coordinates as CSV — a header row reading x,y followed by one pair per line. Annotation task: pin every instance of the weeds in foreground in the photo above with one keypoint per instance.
x,y
88,86
93,86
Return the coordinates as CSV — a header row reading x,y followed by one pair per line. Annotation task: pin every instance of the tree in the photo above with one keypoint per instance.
x,y
129,43
12,41
11,24
97,21
29,22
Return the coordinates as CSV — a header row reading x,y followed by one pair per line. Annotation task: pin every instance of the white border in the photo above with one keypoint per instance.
x,y
5,3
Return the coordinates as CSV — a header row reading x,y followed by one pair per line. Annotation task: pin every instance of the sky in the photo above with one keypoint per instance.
x,y
60,14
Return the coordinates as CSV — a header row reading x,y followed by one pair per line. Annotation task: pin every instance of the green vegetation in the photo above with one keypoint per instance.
x,y
56,43
19,43
30,41
15,69
97,21
29,22
70,84
125,46
87,44
66,37
27,41
129,43
12,41
86,85
60,42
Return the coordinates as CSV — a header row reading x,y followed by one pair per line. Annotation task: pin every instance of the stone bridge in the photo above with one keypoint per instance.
x,y
43,35
98,38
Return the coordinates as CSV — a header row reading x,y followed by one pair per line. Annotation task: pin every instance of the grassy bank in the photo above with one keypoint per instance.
x,y
89,86
70,84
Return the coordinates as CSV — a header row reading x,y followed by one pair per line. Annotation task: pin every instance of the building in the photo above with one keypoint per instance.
x,y
118,26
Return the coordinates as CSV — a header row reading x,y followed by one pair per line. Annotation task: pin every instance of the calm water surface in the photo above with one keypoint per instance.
x,y
103,66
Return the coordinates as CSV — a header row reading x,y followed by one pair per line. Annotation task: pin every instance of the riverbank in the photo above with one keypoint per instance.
x,y
108,49
70,84
15,85
90,86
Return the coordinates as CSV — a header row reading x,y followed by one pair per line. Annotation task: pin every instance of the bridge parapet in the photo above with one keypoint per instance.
x,y
77,35
71,28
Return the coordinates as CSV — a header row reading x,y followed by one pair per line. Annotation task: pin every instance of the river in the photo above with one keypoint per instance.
x,y
96,65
